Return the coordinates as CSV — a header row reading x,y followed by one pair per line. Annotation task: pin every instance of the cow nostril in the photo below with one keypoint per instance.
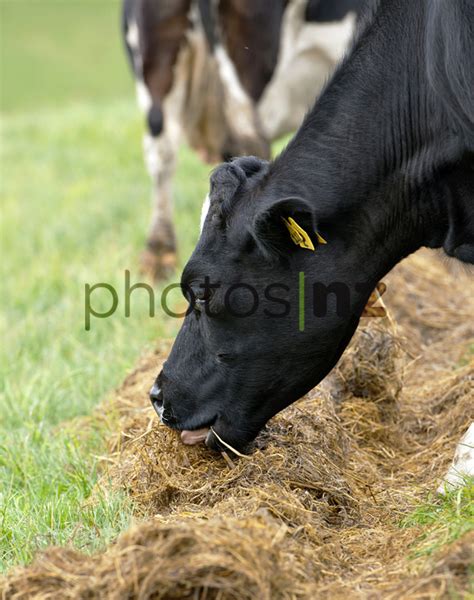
x,y
156,398
167,414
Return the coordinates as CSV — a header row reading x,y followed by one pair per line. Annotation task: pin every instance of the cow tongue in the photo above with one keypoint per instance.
x,y
190,438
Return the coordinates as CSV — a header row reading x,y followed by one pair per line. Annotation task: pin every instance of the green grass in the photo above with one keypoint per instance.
x,y
56,51
75,208
443,519
75,205
50,478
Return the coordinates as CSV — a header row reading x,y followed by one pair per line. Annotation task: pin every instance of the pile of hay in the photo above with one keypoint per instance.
x,y
314,512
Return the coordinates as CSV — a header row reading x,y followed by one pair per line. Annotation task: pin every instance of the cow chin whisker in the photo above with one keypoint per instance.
x,y
213,432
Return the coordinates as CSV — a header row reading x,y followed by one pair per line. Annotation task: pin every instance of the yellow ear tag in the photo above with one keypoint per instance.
x,y
299,235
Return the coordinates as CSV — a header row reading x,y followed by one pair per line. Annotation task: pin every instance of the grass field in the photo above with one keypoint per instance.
x,y
75,205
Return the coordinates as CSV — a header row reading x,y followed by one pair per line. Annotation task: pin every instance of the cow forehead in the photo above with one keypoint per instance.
x,y
221,242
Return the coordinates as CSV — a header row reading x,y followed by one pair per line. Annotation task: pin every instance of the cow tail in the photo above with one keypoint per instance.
x,y
207,11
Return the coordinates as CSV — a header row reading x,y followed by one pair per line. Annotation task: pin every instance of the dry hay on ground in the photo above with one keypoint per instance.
x,y
314,512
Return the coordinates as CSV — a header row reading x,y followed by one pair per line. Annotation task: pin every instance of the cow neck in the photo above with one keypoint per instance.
x,y
368,152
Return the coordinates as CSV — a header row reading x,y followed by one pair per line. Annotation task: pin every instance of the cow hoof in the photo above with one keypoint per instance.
x,y
158,267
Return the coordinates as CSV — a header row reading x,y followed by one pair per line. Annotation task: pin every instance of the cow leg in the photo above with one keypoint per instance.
x,y
159,257
161,146
155,34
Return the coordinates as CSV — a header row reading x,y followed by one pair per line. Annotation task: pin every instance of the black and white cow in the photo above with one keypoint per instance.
x,y
381,166
229,76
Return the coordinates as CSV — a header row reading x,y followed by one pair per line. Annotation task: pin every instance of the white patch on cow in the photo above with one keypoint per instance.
x,y
133,40
132,36
309,53
334,38
160,159
238,106
143,96
462,465
151,152
229,75
204,211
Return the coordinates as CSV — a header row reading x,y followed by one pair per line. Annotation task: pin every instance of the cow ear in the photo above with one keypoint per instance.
x,y
251,165
285,226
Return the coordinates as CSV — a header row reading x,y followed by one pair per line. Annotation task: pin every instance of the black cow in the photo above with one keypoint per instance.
x,y
382,165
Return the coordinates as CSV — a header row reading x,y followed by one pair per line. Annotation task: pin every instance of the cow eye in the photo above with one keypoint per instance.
x,y
225,358
201,297
199,304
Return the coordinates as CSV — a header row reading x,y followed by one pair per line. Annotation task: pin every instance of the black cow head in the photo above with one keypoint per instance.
x,y
254,339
